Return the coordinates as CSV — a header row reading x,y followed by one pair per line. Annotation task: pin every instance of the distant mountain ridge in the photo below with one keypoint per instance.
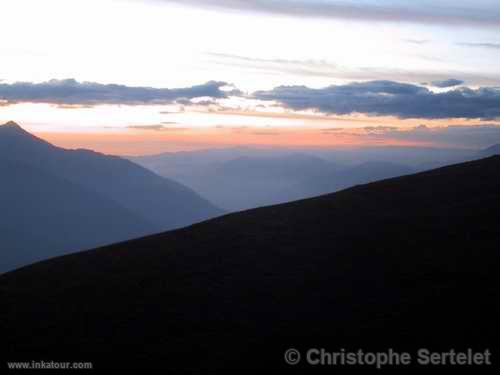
x,y
132,186
490,151
124,189
237,182
347,177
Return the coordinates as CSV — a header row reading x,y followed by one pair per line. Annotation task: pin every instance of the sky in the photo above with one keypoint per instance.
x,y
148,76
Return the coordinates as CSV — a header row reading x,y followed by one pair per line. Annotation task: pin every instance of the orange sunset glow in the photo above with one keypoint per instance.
x,y
308,130
148,142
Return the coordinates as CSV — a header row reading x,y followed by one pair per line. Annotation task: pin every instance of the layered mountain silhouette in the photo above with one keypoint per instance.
x,y
335,180
44,216
238,178
56,201
404,263
490,151
250,181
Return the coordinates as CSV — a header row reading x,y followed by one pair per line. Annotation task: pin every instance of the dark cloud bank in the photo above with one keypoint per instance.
x,y
387,98
376,98
72,92
448,83
446,13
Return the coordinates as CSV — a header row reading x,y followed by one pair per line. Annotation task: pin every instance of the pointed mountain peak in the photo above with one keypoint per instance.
x,y
12,127
12,134
11,124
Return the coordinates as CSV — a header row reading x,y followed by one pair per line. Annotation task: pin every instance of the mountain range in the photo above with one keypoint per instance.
x,y
242,178
239,178
404,263
56,201
490,151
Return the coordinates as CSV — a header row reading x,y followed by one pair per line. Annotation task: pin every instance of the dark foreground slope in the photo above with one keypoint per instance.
x,y
405,263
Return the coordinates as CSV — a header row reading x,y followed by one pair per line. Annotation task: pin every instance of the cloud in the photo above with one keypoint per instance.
x,y
457,13
327,69
447,83
158,127
74,106
267,133
388,98
463,136
70,92
421,127
481,45
146,127
469,136
379,129
300,67
333,130
416,41
177,111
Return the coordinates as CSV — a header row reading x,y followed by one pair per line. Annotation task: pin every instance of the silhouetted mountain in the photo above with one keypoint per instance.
x,y
332,181
373,171
239,178
163,202
249,182
490,151
286,168
55,201
44,216
246,182
405,263
173,163
413,156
